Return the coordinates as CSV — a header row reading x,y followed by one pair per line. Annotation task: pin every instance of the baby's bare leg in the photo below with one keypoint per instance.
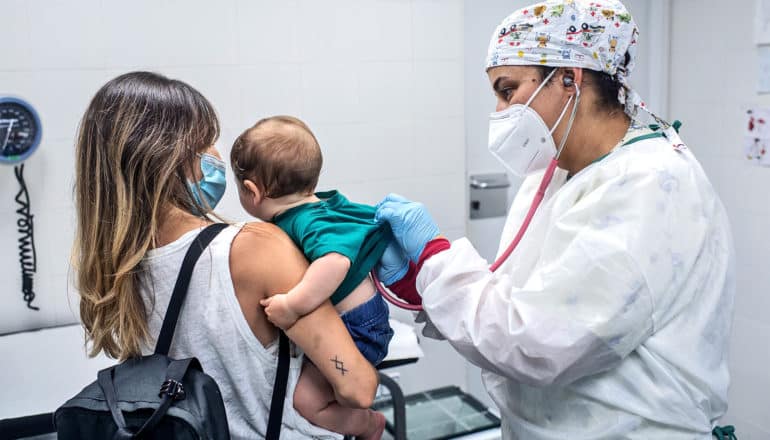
x,y
314,400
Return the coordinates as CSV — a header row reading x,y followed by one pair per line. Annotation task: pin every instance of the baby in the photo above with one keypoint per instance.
x,y
277,163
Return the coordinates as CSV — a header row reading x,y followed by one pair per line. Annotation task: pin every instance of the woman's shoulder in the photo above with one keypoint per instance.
x,y
260,233
263,255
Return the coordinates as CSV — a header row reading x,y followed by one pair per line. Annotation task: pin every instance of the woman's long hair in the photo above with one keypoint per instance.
x,y
136,149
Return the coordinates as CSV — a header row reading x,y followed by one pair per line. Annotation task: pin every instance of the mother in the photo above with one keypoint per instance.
x,y
147,174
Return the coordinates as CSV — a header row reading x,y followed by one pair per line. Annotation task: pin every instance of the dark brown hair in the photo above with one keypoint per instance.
x,y
607,87
280,155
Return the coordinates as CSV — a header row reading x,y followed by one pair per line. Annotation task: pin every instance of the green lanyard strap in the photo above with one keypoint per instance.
x,y
724,432
656,134
677,124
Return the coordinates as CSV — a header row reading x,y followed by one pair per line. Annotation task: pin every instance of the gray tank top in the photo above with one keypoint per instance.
x,y
212,328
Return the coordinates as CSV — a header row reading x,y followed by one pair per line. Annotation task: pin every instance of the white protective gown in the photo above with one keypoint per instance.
x,y
611,320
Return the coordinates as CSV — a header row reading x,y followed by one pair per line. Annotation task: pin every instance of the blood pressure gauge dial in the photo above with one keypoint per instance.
x,y
20,130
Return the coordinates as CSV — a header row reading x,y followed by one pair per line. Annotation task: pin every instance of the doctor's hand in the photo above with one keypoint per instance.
x,y
393,265
412,225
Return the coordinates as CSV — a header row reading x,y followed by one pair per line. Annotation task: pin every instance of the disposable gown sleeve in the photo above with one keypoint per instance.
x,y
588,302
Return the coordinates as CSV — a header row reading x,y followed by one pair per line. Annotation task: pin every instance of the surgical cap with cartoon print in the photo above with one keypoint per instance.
x,y
600,36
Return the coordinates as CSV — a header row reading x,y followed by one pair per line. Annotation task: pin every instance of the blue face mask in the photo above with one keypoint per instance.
x,y
212,185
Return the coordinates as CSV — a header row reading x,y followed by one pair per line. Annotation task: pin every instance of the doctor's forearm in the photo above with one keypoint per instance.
x,y
503,329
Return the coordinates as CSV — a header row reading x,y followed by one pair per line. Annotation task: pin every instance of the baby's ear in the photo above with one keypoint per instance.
x,y
253,191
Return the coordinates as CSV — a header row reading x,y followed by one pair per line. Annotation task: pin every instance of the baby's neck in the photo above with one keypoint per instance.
x,y
275,207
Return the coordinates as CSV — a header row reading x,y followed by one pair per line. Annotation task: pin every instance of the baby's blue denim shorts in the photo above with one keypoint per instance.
x,y
368,325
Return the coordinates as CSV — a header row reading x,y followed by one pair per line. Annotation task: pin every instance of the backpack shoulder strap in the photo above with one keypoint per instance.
x,y
279,389
182,283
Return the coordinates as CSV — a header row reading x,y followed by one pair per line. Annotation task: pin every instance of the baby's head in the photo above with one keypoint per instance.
x,y
279,156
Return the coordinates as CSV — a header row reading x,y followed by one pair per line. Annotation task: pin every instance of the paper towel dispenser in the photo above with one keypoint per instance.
x,y
489,195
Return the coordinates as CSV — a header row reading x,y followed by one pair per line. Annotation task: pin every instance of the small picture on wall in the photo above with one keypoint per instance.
x,y
755,149
758,122
756,139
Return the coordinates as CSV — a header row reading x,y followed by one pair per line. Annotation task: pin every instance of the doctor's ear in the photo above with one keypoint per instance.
x,y
572,77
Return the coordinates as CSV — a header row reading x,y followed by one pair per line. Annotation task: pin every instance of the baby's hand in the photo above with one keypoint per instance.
x,y
279,312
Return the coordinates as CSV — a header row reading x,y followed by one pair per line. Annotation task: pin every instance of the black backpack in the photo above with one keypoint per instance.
x,y
156,397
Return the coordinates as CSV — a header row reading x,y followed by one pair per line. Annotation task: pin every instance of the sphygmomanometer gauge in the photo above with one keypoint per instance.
x,y
20,130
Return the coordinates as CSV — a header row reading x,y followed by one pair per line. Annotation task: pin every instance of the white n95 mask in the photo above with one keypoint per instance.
x,y
519,138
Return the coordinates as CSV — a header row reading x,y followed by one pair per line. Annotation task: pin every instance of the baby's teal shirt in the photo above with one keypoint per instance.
x,y
337,225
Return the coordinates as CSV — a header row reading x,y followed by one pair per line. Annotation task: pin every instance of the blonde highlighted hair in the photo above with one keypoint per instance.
x,y
136,147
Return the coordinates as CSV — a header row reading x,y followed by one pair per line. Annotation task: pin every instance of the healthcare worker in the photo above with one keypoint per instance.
x,y
611,318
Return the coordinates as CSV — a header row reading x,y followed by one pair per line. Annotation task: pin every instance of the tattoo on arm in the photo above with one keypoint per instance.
x,y
338,364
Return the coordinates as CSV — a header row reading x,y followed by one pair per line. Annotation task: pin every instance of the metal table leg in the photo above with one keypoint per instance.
x,y
399,406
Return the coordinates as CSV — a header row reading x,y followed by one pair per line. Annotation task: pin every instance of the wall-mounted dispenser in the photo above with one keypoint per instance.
x,y
489,195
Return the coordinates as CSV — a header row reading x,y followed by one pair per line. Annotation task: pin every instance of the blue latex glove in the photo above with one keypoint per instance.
x,y
393,265
411,223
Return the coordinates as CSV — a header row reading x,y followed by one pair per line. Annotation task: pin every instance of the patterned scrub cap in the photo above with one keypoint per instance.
x,y
572,33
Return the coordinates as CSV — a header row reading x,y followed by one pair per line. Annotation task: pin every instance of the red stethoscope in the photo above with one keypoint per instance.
x,y
539,195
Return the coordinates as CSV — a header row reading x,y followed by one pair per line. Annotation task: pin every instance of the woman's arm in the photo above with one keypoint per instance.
x,y
318,284
263,262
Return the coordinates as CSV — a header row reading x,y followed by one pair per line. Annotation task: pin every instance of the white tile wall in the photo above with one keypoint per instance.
x,y
384,29
268,89
267,31
329,92
73,43
19,25
438,151
168,33
379,81
435,36
713,80
386,90
436,92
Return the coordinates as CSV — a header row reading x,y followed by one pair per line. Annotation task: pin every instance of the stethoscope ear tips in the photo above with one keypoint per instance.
x,y
568,82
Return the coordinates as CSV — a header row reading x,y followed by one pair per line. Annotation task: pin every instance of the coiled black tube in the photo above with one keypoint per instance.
x,y
27,254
